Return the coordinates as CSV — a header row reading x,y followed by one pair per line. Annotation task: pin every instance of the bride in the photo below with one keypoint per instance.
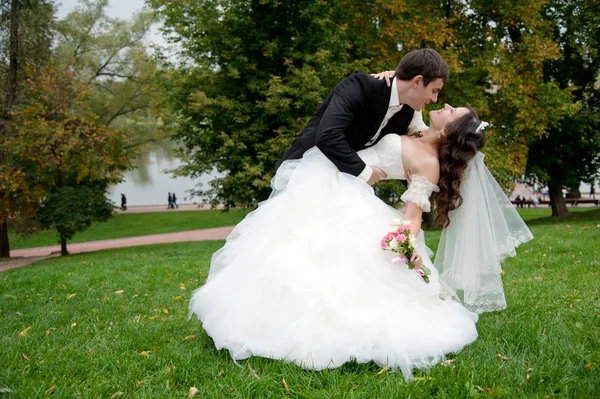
x,y
303,278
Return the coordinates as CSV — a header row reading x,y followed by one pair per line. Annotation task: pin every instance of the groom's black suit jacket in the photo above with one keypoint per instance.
x,y
347,119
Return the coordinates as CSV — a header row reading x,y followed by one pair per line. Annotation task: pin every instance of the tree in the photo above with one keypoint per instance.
x,y
111,56
249,76
25,36
569,151
62,154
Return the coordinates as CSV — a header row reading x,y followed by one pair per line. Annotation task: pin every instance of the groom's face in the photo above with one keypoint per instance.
x,y
423,95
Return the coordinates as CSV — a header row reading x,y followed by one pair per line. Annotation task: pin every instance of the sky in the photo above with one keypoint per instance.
x,y
117,8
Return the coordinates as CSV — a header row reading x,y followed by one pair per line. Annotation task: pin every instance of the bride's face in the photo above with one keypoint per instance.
x,y
440,118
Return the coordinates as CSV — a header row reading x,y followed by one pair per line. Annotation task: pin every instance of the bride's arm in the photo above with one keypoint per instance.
x,y
430,170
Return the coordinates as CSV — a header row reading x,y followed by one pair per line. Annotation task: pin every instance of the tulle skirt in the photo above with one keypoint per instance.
x,y
303,279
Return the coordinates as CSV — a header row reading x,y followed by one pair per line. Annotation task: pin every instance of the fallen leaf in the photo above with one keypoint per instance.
x,y
530,369
285,385
50,390
253,372
190,337
193,392
383,370
119,292
117,394
24,332
47,332
19,314
448,362
425,378
502,272
24,356
178,298
528,377
71,296
220,373
139,383
490,391
145,353
165,311
182,286
501,356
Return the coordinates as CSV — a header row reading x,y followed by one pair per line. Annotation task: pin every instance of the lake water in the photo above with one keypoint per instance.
x,y
149,185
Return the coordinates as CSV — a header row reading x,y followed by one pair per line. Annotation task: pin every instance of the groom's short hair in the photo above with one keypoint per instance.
x,y
426,62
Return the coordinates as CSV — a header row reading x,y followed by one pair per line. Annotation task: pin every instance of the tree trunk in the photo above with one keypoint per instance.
x,y
4,244
63,247
11,96
557,202
14,52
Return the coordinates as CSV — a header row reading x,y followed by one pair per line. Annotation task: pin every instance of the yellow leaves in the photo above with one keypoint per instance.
x,y
119,292
50,390
182,286
502,272
448,362
193,392
220,373
501,356
69,296
24,332
145,353
591,365
165,311
117,394
189,337
178,298
285,385
424,378
24,356
253,372
383,370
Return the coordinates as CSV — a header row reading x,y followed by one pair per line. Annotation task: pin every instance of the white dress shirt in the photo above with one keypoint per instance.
x,y
416,125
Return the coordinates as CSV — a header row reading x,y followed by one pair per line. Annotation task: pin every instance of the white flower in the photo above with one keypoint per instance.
x,y
396,222
406,222
393,243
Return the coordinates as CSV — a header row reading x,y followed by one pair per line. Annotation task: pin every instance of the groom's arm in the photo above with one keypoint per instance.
x,y
346,102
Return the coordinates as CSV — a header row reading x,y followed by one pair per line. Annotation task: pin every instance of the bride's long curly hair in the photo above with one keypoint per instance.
x,y
461,143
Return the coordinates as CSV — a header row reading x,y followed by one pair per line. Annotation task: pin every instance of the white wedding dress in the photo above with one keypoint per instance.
x,y
303,278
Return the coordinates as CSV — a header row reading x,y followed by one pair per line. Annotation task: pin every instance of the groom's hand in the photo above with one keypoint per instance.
x,y
376,175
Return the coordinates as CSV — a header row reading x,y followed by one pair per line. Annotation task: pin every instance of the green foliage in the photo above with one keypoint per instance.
x,y
111,56
250,74
54,143
73,209
569,151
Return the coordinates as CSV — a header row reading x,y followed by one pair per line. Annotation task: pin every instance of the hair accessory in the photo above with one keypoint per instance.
x,y
481,127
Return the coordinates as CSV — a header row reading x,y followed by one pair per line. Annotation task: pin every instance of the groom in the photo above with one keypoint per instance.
x,y
360,110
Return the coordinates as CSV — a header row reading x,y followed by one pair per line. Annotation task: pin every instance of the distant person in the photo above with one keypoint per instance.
x,y
174,203
170,199
123,202
519,201
592,191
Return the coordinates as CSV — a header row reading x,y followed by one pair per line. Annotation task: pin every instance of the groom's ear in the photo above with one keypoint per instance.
x,y
417,80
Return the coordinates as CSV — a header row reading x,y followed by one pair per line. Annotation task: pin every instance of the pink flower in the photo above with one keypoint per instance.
x,y
401,237
401,228
388,237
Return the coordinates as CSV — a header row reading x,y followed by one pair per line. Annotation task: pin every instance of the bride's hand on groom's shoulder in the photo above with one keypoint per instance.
x,y
387,75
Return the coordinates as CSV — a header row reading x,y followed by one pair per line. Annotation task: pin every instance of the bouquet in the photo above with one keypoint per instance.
x,y
401,241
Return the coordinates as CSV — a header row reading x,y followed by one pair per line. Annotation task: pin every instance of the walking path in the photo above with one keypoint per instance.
x,y
22,257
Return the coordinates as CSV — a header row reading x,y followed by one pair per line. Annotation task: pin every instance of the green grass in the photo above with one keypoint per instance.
x,y
136,224
116,321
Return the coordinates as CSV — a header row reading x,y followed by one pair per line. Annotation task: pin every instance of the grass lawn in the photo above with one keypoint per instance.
x,y
137,224
114,324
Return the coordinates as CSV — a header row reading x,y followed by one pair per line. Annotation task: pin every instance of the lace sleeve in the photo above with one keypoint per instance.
x,y
419,191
